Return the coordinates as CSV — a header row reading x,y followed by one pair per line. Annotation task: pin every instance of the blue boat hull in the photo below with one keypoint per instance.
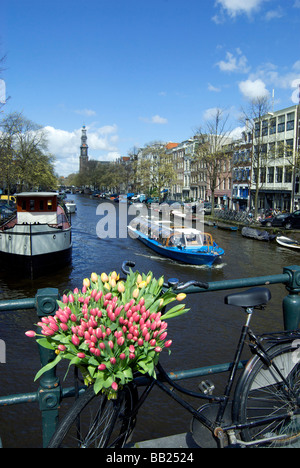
x,y
206,256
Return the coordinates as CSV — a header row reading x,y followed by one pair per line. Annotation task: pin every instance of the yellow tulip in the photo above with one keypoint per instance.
x,y
114,275
86,282
135,293
139,279
180,296
94,277
107,286
121,287
112,282
142,284
104,277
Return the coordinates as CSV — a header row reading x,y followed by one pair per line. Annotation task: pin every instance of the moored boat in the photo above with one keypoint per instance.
x,y
257,234
70,206
182,244
287,242
38,237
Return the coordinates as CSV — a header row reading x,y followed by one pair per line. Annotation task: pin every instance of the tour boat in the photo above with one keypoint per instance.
x,y
182,244
38,237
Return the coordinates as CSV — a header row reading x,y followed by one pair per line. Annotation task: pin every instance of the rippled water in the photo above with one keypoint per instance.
x,y
206,335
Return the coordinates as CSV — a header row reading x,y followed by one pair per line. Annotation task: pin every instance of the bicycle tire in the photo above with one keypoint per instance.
x,y
111,425
262,393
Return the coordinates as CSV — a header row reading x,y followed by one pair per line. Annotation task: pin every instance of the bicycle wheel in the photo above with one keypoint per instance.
x,y
96,422
262,392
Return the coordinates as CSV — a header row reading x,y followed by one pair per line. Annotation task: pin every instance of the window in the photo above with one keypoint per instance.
x,y
49,205
279,173
271,175
31,205
272,126
281,123
264,128
290,121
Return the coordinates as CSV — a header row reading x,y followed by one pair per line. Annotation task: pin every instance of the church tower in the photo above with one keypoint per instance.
x,y
83,158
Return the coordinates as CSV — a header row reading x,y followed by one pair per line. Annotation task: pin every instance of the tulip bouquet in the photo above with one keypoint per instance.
x,y
110,328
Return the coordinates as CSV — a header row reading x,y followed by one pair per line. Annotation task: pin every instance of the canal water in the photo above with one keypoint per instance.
x,y
206,335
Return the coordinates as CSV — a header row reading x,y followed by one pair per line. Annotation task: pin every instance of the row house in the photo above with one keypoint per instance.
x,y
275,159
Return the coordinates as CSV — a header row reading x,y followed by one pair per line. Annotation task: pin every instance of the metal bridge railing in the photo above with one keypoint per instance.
x,y
50,392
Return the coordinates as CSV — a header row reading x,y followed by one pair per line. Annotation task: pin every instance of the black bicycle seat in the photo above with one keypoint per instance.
x,y
253,297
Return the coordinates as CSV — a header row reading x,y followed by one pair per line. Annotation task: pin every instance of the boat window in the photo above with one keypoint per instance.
x,y
31,205
49,205
178,240
41,205
24,205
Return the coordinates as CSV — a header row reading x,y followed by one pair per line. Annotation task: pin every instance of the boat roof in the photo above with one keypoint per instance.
x,y
36,194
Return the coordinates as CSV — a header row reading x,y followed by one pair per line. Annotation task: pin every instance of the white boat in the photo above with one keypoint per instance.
x,y
38,237
287,242
70,206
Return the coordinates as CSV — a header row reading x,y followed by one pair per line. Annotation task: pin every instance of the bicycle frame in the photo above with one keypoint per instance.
x,y
215,426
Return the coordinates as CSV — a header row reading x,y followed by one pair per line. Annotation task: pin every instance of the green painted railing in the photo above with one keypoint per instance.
x,y
50,392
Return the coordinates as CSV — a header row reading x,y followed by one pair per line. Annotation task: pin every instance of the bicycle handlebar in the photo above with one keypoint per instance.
x,y
172,283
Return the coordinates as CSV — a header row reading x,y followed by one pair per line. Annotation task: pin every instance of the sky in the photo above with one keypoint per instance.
x,y
138,71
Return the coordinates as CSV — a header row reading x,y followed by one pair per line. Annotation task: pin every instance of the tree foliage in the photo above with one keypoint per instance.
x,y
24,159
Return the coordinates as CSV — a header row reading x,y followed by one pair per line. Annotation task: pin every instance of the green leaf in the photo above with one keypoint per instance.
x,y
45,343
48,366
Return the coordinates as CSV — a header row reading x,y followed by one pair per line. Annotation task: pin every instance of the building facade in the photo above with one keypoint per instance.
x,y
275,160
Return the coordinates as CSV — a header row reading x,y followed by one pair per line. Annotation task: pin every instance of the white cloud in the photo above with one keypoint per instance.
x,y
65,146
212,88
234,64
156,119
237,7
252,89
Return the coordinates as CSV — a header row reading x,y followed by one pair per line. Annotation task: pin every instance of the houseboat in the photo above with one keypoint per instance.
x,y
182,244
38,237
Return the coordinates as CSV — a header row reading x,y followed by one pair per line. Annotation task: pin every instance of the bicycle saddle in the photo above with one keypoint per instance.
x,y
253,297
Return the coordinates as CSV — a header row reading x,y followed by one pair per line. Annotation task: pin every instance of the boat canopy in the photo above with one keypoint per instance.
x,y
172,236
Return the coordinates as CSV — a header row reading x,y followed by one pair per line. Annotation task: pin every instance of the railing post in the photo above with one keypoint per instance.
x,y
291,303
49,391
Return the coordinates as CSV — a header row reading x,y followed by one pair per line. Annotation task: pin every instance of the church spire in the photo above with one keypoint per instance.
x,y
83,158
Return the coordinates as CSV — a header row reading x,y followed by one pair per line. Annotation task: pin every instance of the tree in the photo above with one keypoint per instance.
x,y
155,170
212,150
253,118
23,153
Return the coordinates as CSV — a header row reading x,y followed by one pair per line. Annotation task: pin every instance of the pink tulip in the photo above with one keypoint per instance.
x,y
81,355
71,298
61,347
120,340
113,360
65,299
168,343
75,340
30,333
102,367
122,356
114,386
64,327
140,342
158,349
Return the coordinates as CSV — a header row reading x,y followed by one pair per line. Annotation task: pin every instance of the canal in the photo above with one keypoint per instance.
x,y
206,335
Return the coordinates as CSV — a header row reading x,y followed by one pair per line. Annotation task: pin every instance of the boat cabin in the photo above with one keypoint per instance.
x,y
37,208
168,236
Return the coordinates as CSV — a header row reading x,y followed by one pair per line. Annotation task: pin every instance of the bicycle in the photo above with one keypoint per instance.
x,y
262,410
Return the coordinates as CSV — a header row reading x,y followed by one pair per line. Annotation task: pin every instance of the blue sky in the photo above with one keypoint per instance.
x,y
139,71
